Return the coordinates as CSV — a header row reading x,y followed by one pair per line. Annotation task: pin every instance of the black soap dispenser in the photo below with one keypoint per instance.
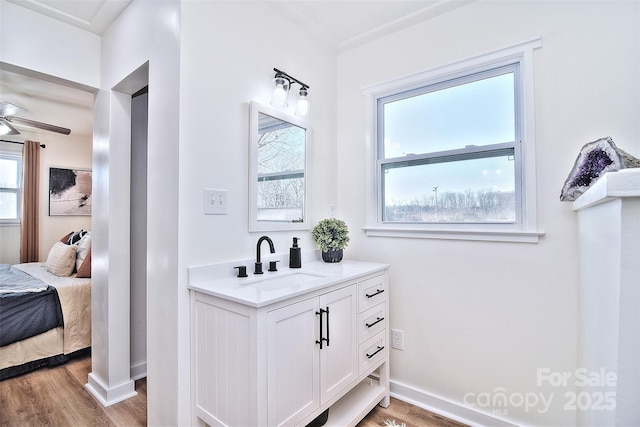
x,y
295,260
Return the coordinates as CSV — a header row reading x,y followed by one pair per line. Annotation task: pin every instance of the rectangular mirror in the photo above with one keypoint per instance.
x,y
277,170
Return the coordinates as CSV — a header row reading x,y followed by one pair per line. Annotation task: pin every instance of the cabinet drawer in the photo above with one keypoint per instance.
x,y
372,292
372,352
371,322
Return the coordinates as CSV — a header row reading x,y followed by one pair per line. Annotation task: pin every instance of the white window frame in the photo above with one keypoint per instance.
x,y
525,227
18,190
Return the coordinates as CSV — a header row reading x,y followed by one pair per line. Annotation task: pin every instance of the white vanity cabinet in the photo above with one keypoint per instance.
x,y
283,360
307,366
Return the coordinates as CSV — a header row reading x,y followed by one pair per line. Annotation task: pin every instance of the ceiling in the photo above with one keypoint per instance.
x,y
341,23
348,23
49,103
91,15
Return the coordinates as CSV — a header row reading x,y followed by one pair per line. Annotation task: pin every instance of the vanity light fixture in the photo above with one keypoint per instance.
x,y
282,82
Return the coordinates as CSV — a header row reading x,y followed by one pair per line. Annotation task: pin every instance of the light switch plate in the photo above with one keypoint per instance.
x,y
215,202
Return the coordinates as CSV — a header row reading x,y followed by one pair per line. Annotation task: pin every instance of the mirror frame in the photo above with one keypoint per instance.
x,y
255,109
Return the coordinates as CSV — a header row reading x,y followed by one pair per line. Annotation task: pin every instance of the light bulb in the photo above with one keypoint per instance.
x,y
279,96
303,103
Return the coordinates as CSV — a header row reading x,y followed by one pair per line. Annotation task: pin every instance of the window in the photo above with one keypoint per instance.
x,y
10,191
450,149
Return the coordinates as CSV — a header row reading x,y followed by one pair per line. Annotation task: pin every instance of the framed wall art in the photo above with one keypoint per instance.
x,y
69,191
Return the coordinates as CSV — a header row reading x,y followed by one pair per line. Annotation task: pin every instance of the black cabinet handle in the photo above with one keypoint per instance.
x,y
322,338
375,352
378,320
378,291
321,312
327,339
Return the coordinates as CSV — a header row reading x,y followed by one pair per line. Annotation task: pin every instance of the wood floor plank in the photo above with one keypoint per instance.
x,y
403,412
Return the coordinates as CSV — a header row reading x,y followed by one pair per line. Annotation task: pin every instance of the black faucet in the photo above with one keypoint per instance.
x,y
258,269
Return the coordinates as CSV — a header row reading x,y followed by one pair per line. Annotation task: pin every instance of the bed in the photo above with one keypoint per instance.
x,y
48,320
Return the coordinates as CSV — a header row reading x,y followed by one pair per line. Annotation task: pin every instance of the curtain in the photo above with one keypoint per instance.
x,y
30,202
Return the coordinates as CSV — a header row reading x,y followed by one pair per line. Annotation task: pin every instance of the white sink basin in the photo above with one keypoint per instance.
x,y
284,279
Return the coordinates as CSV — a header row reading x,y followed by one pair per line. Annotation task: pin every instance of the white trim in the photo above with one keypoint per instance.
x,y
138,371
106,396
492,58
17,156
526,230
446,408
487,235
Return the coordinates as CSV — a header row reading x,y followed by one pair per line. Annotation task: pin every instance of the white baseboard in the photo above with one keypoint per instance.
x,y
444,407
138,371
108,396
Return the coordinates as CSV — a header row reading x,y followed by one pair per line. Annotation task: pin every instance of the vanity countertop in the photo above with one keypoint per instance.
x,y
271,287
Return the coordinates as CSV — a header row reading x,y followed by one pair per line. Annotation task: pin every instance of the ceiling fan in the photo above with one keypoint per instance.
x,y
7,111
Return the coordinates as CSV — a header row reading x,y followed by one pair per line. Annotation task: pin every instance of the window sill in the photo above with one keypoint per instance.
x,y
9,223
514,236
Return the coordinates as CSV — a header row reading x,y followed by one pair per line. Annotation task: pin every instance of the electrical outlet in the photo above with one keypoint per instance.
x,y
397,339
215,202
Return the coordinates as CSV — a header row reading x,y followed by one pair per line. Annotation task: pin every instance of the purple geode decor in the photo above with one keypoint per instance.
x,y
595,159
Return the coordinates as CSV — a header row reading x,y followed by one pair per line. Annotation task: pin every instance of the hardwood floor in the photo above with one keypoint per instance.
x,y
403,412
57,397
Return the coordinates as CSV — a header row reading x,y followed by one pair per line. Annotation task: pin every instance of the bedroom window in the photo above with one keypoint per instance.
x,y
452,157
10,179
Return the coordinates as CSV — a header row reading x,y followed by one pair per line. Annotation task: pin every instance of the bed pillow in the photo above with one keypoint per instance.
x,y
83,247
85,268
62,259
75,237
65,238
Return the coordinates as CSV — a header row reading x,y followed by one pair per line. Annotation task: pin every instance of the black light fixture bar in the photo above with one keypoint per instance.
x,y
288,77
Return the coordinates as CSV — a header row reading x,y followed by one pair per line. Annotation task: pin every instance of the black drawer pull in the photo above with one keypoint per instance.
x,y
375,352
378,291
378,320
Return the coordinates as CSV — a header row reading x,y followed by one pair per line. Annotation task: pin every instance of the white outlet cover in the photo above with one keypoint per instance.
x,y
397,339
215,202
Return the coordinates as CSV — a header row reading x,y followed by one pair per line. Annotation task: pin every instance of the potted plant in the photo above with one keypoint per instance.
x,y
331,235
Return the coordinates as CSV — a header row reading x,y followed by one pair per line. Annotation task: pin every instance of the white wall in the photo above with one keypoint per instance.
x,y
229,50
146,32
138,240
479,316
38,43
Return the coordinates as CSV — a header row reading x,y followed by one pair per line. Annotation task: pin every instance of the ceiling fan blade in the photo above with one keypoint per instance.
x,y
39,125
9,109
6,128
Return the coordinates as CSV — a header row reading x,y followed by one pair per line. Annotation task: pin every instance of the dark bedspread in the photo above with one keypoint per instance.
x,y
26,314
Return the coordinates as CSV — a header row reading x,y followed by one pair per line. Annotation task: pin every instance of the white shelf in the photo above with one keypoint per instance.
x,y
355,405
